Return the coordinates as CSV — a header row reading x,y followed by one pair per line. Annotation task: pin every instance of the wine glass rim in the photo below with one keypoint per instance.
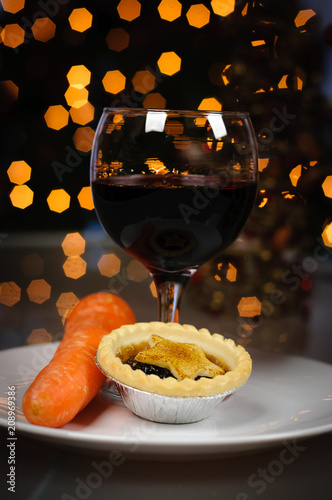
x,y
182,112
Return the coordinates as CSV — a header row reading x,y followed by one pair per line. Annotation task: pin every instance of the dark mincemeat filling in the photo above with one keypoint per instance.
x,y
148,369
151,369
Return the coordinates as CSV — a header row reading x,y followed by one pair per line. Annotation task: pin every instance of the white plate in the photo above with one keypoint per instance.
x,y
286,398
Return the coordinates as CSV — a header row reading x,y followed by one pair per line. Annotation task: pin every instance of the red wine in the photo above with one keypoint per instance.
x,y
175,222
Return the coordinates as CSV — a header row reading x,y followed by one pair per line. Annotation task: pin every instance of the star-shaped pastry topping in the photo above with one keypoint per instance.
x,y
182,360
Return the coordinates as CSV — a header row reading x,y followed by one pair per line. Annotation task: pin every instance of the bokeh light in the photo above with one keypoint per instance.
x,y
223,7
76,97
10,293
198,15
73,245
143,81
56,117
129,9
169,63
169,10
154,100
79,76
249,307
74,267
39,336
327,186
10,87
114,81
43,29
109,265
117,39
65,304
136,271
85,198
83,139
210,104
327,235
21,196
12,6
19,172
83,114
58,200
80,20
13,35
39,291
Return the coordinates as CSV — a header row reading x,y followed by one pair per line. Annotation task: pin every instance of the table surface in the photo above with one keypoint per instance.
x,y
44,471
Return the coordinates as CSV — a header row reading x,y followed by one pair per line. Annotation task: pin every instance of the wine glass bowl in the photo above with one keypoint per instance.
x,y
173,188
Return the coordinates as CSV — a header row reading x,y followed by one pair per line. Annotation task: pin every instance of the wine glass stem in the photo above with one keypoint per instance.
x,y
169,296
170,287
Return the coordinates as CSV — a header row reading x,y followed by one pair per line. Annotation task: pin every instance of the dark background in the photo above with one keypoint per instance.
x,y
292,121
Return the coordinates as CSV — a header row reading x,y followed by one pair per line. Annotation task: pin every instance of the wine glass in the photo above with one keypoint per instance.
x,y
173,188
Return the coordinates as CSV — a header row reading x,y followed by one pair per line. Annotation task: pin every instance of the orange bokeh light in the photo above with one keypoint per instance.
x,y
13,35
39,336
58,200
73,245
11,88
169,63
19,172
43,29
109,265
65,304
74,267
39,291
198,15
154,101
210,104
223,7
12,6
129,9
169,10
143,81
83,138
117,39
327,235
327,186
114,81
79,76
249,307
10,293
76,97
21,196
85,198
136,271
82,115
80,20
56,117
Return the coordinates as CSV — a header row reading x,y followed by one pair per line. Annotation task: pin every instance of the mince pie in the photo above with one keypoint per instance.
x,y
173,360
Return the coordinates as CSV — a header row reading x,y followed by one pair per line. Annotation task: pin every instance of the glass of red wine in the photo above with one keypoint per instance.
x,y
173,189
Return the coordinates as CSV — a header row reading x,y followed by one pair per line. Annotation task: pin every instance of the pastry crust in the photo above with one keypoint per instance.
x,y
235,359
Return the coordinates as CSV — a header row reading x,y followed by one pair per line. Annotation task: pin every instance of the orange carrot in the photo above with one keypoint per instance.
x,y
71,379
107,310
